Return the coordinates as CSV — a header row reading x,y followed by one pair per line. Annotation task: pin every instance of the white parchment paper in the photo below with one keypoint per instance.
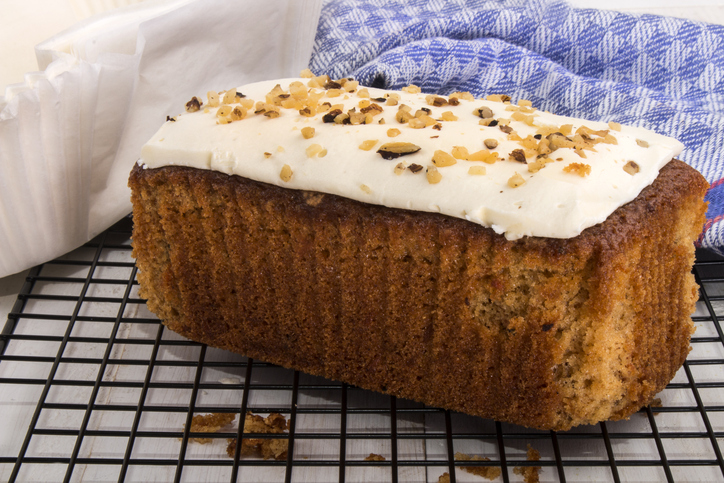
x,y
69,135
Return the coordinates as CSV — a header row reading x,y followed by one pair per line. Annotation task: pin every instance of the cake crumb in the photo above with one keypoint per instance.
x,y
276,449
530,474
489,472
209,423
375,457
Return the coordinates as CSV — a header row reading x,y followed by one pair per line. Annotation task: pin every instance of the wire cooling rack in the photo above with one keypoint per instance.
x,y
93,388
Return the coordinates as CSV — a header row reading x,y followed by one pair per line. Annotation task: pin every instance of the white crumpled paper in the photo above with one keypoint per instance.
x,y
69,135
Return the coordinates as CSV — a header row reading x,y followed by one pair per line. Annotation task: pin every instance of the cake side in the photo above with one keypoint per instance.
x,y
547,333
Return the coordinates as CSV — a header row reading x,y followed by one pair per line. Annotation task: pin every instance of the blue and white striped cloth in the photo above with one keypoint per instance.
x,y
665,74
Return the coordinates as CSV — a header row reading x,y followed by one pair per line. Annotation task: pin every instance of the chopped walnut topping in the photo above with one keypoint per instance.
x,y
403,116
466,96
476,170
614,125
436,101
411,89
441,159
367,145
449,116
631,168
213,98
286,173
247,103
433,175
334,92
267,155
371,108
331,116
308,132
415,168
224,114
642,143
580,169
313,150
516,180
498,98
307,112
538,164
392,132
363,92
518,155
393,99
193,105
399,168
505,128
416,123
306,74
460,152
483,112
490,143
229,97
485,156
395,150
238,113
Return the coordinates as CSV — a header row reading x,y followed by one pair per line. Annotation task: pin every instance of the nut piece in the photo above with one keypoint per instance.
x,y
308,132
460,152
313,150
213,98
367,145
449,116
433,175
516,180
399,168
229,97
286,173
441,159
395,150
631,168
477,170
642,143
483,112
411,89
614,125
393,132
415,168
518,155
491,143
193,105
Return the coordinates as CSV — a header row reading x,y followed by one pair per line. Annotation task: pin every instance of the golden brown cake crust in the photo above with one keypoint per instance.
x,y
546,333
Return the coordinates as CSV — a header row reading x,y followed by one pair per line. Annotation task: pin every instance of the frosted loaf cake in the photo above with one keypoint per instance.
x,y
478,255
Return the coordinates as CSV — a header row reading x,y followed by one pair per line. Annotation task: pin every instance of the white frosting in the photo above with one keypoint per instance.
x,y
551,202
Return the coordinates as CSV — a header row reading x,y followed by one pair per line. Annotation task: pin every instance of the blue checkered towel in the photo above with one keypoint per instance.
x,y
665,74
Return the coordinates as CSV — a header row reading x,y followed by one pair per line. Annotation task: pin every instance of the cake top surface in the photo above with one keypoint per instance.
x,y
502,164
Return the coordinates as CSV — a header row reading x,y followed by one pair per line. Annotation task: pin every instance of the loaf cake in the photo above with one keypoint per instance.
x,y
473,254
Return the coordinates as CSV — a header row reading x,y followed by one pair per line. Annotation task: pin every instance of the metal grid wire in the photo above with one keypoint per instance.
x,y
93,388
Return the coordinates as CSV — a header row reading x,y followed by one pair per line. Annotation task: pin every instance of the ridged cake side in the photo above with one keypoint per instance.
x,y
546,333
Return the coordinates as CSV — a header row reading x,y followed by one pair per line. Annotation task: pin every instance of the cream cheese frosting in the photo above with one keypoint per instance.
x,y
539,174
